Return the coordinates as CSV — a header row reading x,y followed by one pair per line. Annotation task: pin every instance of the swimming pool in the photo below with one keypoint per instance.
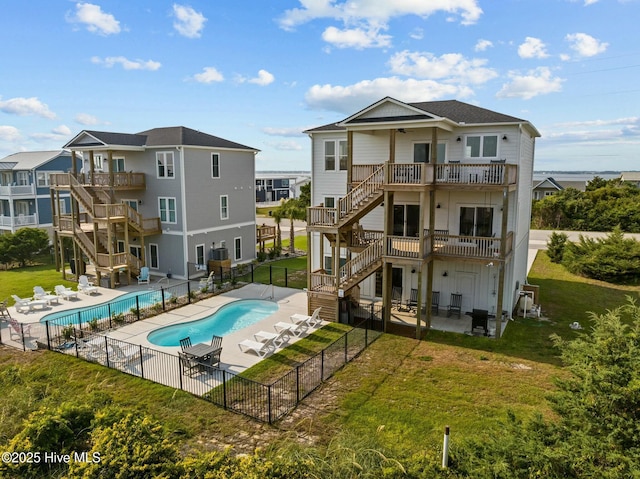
x,y
120,305
227,319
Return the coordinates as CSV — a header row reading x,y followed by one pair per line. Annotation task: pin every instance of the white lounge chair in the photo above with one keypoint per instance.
x,y
278,338
261,349
40,293
295,329
304,319
124,354
64,292
85,286
24,305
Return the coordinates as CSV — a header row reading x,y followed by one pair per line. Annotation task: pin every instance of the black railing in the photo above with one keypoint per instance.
x,y
263,273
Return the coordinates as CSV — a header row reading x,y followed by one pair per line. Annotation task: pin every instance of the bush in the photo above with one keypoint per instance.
x,y
555,246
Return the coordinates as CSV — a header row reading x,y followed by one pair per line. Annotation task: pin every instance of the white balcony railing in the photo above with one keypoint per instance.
x,y
14,190
19,220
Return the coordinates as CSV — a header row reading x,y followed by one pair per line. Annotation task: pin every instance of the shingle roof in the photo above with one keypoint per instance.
x,y
111,138
180,135
329,127
461,112
28,160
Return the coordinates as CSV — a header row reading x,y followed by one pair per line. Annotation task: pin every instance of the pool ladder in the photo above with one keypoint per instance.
x,y
267,289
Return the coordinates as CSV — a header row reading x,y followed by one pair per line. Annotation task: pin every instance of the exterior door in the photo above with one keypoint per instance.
x,y
476,221
466,285
406,219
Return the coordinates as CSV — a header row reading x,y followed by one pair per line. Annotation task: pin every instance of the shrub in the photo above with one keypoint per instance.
x,y
556,245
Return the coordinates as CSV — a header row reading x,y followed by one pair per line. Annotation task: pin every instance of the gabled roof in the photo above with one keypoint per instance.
x,y
29,160
445,114
630,176
169,136
549,183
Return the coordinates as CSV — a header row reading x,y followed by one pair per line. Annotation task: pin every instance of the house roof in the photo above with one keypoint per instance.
x,y
446,111
630,176
167,136
548,183
28,160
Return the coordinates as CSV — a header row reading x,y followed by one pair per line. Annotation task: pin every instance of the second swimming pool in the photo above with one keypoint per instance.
x,y
227,319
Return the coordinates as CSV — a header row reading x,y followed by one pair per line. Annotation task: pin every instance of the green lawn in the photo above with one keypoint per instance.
x,y
20,281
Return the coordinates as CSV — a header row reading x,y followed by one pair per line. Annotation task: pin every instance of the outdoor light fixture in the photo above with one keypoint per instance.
x,y
504,137
438,205
459,138
445,274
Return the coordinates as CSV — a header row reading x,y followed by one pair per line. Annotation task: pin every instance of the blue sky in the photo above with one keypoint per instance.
x,y
260,72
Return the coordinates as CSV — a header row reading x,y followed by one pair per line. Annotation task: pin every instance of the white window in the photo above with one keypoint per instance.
x,y
120,246
132,203
164,161
136,251
117,165
481,146
329,202
22,178
237,248
153,256
422,153
342,150
224,207
335,155
167,209
215,165
476,221
42,178
199,254
97,162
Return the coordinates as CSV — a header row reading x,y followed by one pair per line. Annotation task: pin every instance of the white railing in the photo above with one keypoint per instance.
x,y
364,191
369,256
19,220
14,190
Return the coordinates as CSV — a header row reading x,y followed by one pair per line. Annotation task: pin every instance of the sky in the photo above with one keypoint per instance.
x,y
261,72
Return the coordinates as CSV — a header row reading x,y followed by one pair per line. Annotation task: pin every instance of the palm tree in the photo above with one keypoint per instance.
x,y
294,210
277,217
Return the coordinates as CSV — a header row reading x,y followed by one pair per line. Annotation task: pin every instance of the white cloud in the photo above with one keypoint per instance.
x,y
451,66
126,63
58,133
350,98
290,131
585,45
356,38
9,133
417,34
482,45
208,75
264,78
536,82
286,146
95,19
25,107
188,23
532,48
86,119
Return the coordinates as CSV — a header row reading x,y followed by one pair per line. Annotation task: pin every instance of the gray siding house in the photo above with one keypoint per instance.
x,y
160,198
24,189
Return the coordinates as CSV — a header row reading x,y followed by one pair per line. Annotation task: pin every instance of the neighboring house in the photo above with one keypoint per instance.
x,y
162,198
631,177
24,189
275,186
433,197
549,186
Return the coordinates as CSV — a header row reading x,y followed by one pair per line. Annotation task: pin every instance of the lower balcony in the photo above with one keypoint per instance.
x,y
18,221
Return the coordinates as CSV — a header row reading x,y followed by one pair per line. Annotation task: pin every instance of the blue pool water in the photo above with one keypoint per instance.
x,y
121,304
229,318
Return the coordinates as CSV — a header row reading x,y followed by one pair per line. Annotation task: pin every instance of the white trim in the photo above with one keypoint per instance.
x,y
183,196
221,228
215,153
235,258
204,253
157,266
224,218
168,222
165,165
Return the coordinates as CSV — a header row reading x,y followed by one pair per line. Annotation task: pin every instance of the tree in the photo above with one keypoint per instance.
x,y
293,209
305,194
556,245
25,244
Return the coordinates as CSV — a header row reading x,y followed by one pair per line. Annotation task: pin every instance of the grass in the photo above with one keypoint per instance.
x,y
20,281
400,392
296,272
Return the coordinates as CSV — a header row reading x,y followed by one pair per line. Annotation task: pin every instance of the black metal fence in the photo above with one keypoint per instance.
x,y
264,273
264,402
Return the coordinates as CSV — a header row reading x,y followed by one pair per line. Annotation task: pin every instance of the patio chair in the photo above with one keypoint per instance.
x,y
455,305
435,302
479,322
295,329
24,305
278,338
260,348
185,342
144,275
412,302
124,354
396,297
216,342
85,286
210,361
207,282
40,293
64,292
304,319
4,312
17,330
188,365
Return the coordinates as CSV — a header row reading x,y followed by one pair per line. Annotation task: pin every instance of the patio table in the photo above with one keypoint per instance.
x,y
200,350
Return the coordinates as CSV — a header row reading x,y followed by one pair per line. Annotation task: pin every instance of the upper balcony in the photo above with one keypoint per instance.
x,y
18,190
121,180
18,220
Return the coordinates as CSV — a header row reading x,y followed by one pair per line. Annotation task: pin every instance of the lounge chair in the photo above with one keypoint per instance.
x,y
310,321
207,282
295,329
278,338
85,286
260,348
125,353
24,305
144,275
64,292
40,293
17,330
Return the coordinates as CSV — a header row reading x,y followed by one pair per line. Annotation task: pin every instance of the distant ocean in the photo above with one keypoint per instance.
x,y
574,176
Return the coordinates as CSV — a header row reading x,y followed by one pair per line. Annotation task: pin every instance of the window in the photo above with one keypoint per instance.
x,y
482,146
120,246
117,164
132,203
329,202
136,251
167,208
476,221
215,165
97,162
422,153
200,254
22,178
153,256
224,207
342,148
329,155
164,161
42,178
328,263
237,248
